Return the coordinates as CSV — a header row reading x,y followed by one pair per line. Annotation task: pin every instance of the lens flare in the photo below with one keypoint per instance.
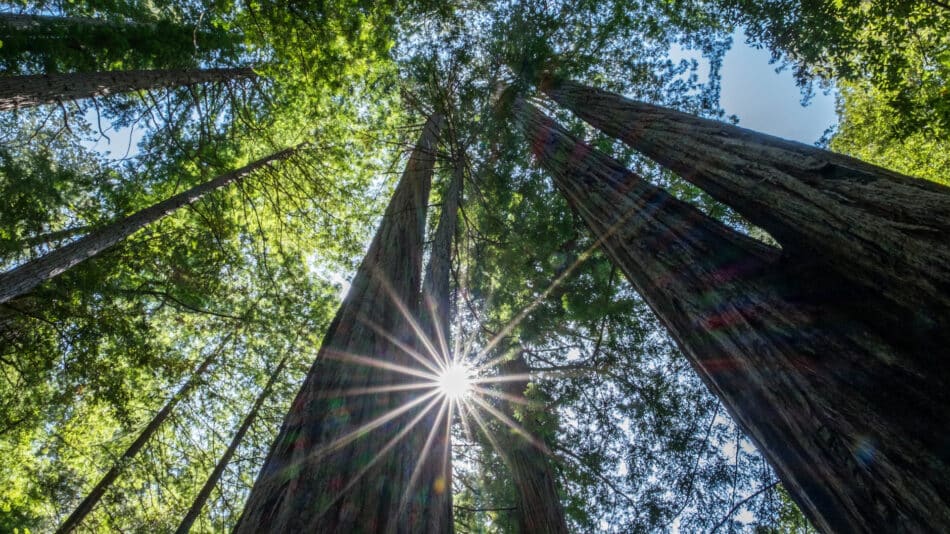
x,y
455,382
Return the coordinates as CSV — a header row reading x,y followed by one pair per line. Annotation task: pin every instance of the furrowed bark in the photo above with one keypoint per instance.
x,y
92,499
42,24
539,505
185,526
887,233
855,430
22,279
34,90
434,319
341,462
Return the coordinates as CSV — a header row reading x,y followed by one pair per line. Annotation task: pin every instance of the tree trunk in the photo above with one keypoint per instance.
x,y
341,463
22,279
26,91
212,481
48,24
435,320
886,233
539,505
99,490
854,430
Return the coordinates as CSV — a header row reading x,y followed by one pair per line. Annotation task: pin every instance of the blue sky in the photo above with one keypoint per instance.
x,y
770,102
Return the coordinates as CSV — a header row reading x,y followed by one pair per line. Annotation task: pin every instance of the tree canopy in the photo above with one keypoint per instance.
x,y
215,313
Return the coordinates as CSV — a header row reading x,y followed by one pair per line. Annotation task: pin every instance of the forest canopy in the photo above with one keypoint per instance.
x,y
468,266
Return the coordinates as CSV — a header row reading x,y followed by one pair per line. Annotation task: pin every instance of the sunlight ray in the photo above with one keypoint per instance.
x,y
379,455
504,378
405,347
372,425
486,431
379,364
410,320
512,424
421,461
505,396
445,354
375,389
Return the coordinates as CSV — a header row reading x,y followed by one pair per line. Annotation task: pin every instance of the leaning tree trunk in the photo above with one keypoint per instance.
x,y
185,526
886,233
92,499
26,91
435,321
339,463
539,505
22,279
855,433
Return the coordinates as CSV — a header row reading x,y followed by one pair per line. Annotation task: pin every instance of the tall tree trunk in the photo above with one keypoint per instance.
x,y
99,490
185,526
22,279
539,505
47,23
856,433
435,320
340,463
26,91
886,233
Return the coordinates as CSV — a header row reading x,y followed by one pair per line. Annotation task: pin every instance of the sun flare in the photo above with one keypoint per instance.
x,y
455,381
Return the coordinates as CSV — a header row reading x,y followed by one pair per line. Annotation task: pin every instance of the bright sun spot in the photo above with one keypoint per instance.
x,y
455,382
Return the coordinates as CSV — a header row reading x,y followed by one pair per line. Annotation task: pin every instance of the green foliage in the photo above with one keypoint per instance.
x,y
899,48
865,131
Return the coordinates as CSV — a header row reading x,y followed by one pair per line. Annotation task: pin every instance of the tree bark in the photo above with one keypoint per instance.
x,y
22,279
92,499
48,23
885,233
855,431
539,505
34,90
341,462
435,320
215,475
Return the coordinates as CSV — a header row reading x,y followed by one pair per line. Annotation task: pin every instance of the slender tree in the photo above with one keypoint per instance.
x,y
34,44
539,505
22,279
93,497
853,432
882,233
340,461
185,526
34,90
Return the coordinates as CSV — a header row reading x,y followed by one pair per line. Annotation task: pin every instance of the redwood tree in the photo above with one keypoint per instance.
x,y
95,495
854,431
185,526
539,505
25,277
340,462
883,234
34,90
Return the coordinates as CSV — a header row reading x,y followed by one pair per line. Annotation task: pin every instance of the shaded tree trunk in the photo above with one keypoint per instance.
x,y
435,320
185,526
342,460
22,279
539,505
92,499
885,234
26,91
856,433
46,23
